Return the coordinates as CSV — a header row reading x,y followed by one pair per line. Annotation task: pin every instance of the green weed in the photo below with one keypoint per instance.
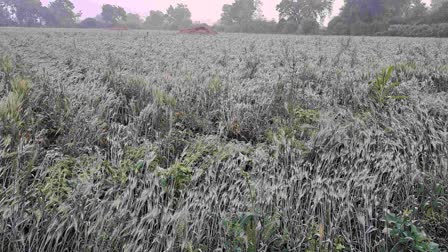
x,y
405,235
164,99
11,107
215,85
58,182
382,88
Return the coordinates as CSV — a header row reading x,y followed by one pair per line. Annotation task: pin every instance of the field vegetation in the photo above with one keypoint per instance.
x,y
154,141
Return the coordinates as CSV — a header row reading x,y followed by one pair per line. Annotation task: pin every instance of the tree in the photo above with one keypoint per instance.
x,y
156,19
297,10
228,16
133,21
395,11
5,15
112,14
21,12
178,17
435,4
239,12
337,25
368,17
439,15
62,14
362,10
416,11
309,26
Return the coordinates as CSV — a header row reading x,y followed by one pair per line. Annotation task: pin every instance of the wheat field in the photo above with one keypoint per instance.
x,y
156,141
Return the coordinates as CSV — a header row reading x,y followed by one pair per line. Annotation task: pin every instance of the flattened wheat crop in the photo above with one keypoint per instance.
x,y
156,141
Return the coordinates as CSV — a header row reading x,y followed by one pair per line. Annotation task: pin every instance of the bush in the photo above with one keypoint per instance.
x,y
254,26
424,30
339,26
91,23
309,26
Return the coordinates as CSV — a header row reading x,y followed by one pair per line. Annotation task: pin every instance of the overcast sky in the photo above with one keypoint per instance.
x,y
208,11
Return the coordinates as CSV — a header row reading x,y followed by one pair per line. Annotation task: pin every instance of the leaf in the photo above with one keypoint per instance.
x,y
339,247
398,97
394,85
389,73
434,247
391,218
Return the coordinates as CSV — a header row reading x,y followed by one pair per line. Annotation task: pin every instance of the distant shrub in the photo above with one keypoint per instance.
x,y
254,26
339,26
423,30
91,23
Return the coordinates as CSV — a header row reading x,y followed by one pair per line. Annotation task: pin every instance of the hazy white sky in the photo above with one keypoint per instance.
x,y
208,11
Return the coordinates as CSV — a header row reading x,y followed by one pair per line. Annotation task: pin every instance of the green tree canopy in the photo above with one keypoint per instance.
x,y
382,10
21,12
112,14
297,10
416,11
156,19
439,15
367,17
62,14
179,16
5,14
239,12
133,21
435,4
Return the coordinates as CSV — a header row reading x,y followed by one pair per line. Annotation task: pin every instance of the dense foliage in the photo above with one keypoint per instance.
x,y
357,17
434,30
373,17
136,141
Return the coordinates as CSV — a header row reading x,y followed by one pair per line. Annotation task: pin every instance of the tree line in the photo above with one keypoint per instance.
x,y
357,17
61,13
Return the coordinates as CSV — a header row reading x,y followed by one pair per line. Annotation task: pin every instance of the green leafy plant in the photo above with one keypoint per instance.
x,y
298,128
12,112
11,106
305,116
382,88
247,231
433,204
315,240
406,235
57,184
134,157
215,85
6,65
177,174
164,99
